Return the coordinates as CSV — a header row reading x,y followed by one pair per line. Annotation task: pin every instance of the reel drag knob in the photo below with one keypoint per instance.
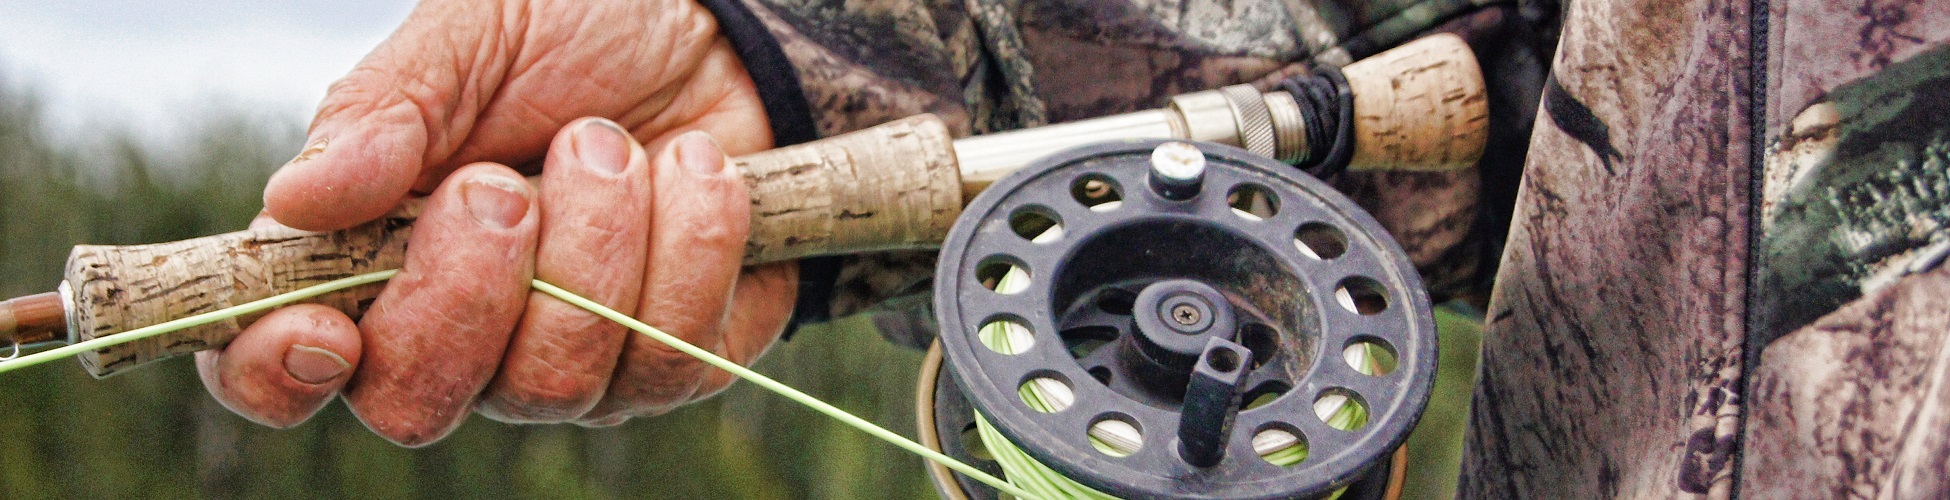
x,y
1160,319
1174,318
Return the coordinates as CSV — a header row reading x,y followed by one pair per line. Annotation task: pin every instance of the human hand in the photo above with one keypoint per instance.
x,y
462,89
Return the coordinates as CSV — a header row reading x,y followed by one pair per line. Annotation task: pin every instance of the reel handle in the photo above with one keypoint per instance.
x,y
893,186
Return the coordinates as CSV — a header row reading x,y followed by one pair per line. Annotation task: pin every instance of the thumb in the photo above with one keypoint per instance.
x,y
370,140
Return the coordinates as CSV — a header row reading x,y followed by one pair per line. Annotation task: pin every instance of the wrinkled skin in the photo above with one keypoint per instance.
x,y
652,221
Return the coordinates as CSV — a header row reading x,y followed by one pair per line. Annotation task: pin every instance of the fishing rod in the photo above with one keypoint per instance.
x,y
1209,276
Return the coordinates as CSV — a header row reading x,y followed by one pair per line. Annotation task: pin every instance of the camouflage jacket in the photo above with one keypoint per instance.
x,y
987,65
1726,273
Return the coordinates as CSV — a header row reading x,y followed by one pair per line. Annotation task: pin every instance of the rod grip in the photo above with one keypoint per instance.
x,y
893,186
1421,106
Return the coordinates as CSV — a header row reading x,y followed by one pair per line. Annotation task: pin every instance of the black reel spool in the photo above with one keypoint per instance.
x,y
1200,310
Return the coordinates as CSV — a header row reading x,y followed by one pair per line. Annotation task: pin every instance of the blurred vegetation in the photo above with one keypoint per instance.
x,y
154,433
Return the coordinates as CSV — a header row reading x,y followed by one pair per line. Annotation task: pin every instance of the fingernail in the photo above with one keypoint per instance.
x,y
496,201
312,365
312,150
603,146
700,154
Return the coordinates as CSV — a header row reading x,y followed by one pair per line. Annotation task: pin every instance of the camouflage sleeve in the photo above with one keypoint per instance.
x,y
990,65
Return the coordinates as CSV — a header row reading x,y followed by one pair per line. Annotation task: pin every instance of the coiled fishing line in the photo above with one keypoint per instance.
x,y
1117,438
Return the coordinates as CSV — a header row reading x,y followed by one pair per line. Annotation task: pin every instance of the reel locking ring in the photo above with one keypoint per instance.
x,y
1054,261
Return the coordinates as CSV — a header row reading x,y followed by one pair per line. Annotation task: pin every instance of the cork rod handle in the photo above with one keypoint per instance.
x,y
1420,107
894,186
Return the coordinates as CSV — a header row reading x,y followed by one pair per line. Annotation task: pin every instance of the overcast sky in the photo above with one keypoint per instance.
x,y
148,63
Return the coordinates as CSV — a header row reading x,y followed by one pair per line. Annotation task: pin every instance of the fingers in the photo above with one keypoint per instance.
x,y
761,304
284,367
699,227
400,112
595,207
435,335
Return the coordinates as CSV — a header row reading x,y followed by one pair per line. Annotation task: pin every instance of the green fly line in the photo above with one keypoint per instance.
x,y
224,314
1027,478
1120,439
268,303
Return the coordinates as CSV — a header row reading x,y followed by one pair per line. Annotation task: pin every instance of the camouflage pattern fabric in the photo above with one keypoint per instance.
x,y
1612,352
1725,276
1850,401
991,65
1854,404
1858,189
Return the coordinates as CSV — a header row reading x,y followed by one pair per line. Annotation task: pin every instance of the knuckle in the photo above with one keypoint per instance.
x,y
593,252
602,235
542,399
413,438
713,211
716,233
271,410
711,387
660,377
518,406
360,91
551,398
275,421
603,421
411,433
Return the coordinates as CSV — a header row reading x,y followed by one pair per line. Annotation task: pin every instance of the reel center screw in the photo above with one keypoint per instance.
x,y
1185,314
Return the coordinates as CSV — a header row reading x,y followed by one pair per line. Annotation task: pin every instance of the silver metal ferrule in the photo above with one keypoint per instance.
x,y
1239,115
1289,129
1255,122
1208,117
986,158
67,306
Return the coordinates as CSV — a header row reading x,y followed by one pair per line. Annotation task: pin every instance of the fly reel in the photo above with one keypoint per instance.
x,y
1155,319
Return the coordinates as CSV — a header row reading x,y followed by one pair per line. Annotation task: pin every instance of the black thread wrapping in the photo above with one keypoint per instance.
x,y
1327,107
